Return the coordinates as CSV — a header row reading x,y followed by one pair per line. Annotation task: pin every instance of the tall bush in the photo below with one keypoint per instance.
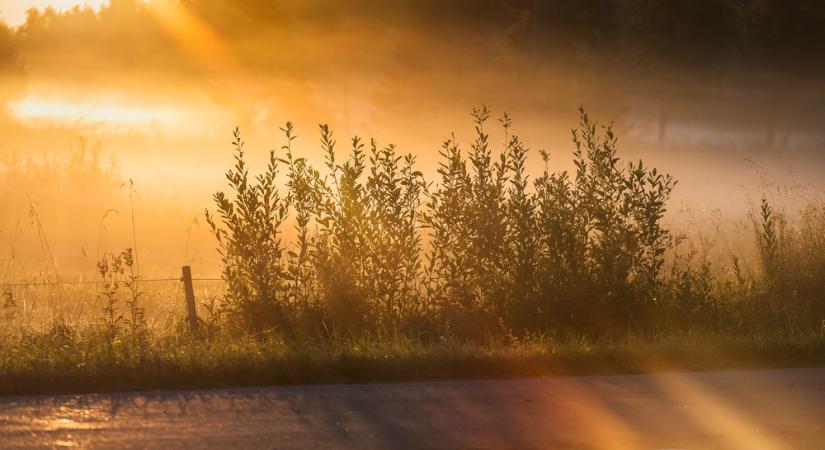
x,y
248,232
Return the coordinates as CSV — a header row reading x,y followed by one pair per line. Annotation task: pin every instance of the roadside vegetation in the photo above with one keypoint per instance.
x,y
486,270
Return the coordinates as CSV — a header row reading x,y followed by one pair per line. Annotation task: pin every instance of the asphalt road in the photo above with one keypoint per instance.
x,y
769,409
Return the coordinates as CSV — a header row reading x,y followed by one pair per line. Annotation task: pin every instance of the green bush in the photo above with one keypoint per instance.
x,y
484,251
248,234
581,253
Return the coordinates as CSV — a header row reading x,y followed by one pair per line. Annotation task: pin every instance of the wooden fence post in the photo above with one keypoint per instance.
x,y
189,292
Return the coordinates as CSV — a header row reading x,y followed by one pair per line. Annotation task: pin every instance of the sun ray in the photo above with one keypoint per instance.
x,y
200,41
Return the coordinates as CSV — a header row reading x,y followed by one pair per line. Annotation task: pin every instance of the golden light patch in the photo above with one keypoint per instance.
x,y
80,112
194,35
116,114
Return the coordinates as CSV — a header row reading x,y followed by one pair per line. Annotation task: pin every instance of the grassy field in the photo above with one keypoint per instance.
x,y
484,272
56,363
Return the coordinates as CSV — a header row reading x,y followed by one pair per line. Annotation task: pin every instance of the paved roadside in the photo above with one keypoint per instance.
x,y
765,409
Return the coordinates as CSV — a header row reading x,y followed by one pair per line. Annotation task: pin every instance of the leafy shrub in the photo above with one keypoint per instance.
x,y
249,243
485,251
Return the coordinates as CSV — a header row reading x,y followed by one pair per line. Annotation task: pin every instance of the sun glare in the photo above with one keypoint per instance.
x,y
89,113
110,114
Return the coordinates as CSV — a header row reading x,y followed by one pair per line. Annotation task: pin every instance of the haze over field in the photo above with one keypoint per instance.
x,y
210,194
157,87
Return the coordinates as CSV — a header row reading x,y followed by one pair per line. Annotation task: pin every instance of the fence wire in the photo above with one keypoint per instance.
x,y
99,282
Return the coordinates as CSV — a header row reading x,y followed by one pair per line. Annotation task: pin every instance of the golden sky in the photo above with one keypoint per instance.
x,y
158,88
14,11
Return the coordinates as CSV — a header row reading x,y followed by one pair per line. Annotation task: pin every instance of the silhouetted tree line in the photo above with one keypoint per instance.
x,y
781,35
756,61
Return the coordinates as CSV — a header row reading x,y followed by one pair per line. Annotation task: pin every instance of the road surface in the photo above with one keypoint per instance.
x,y
768,409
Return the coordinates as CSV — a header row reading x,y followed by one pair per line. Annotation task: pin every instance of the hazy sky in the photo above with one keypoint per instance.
x,y
169,78
13,12
159,89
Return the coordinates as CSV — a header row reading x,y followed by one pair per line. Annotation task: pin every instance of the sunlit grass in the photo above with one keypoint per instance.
x,y
385,276
60,361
